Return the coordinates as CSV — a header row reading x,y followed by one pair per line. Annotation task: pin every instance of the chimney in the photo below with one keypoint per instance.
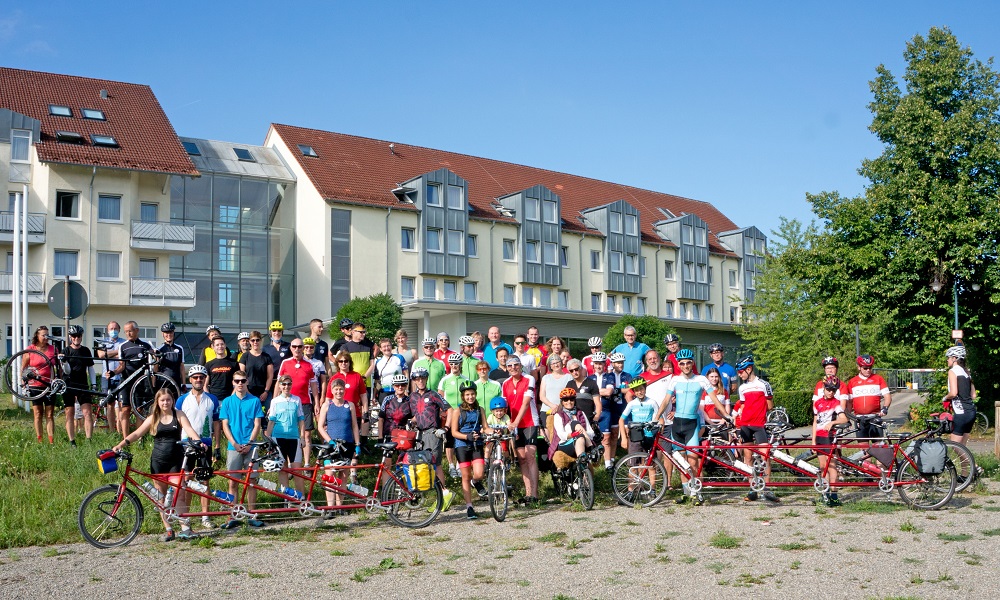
x,y
104,94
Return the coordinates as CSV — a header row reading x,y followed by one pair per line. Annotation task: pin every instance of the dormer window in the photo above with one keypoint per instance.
x,y
616,222
58,110
433,195
687,234
631,225
701,236
531,209
93,113
551,212
456,197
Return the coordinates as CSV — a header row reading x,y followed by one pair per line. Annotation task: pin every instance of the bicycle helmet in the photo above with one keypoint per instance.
x,y
831,382
498,402
829,360
567,393
638,382
346,323
866,360
210,328
455,358
617,357
399,379
419,373
466,340
595,342
197,370
276,326
599,357
685,354
272,465
165,328
429,342
671,337
955,352
745,363
715,348
465,386
75,330
244,335
308,342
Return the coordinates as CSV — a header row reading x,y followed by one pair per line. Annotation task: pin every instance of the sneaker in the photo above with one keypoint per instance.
x,y
207,523
449,496
256,523
329,514
169,536
681,499
699,500
72,443
481,490
833,501
470,513
770,497
185,534
231,524
454,473
751,497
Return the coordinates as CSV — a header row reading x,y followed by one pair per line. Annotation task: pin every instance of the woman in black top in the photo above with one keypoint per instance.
x,y
259,369
81,370
165,423
221,370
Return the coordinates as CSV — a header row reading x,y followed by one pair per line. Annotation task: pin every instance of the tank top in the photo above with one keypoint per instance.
x,y
166,436
338,422
963,398
468,422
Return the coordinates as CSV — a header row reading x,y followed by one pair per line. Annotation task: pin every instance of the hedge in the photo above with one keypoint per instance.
x,y
798,404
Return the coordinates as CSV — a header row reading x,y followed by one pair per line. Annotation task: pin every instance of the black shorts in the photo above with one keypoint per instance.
x,y
166,462
866,429
308,417
567,449
46,400
757,435
467,454
79,397
963,422
526,436
685,431
643,445
289,448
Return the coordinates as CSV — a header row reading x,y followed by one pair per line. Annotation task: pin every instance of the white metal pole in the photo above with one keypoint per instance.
x,y
24,275
15,289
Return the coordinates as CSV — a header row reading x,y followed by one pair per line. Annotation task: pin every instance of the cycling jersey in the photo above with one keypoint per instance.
x,y
201,412
486,391
826,411
656,385
842,394
449,389
754,397
588,363
866,394
687,392
302,374
435,370
427,409
727,372
517,393
640,411
171,361
709,407
963,402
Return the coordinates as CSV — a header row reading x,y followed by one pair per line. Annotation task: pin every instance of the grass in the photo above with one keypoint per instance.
x,y
717,567
366,573
888,539
907,526
954,537
991,532
556,537
793,546
724,540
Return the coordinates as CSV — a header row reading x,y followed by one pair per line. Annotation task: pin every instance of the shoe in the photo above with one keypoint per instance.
x,y
185,534
72,443
454,473
255,523
681,500
770,497
169,537
751,497
231,524
329,514
449,496
470,513
481,490
833,501
699,500
207,523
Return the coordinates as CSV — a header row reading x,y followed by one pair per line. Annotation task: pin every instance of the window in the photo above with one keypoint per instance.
x,y
761,248
109,208
695,312
307,151
12,197
67,205
109,266
545,297
531,252
709,310
527,296
407,288
551,211
456,197
92,113
733,314
226,306
702,273
595,260
508,294
471,293
700,236
627,305
430,289
751,280
451,290
149,212
733,281
616,222
434,240
748,246
564,256
57,110
688,271
408,238
562,299
508,250
531,209
433,195
456,242
640,306
711,274
228,250
668,309
69,137
612,303
20,142
244,154
687,235
229,216
642,266
67,262
147,268
668,269
595,302
104,140
191,148
550,255
472,246
632,264
631,225
683,312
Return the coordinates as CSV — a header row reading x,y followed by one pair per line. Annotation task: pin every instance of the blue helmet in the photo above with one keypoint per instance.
x,y
746,361
498,402
685,354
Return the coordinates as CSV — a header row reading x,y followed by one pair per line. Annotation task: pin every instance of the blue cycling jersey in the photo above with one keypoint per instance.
x,y
688,392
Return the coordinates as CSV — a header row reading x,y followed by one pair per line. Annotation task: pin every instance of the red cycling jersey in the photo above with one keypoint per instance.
x,y
866,394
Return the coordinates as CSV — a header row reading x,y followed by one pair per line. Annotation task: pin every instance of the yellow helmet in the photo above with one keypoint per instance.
x,y
276,326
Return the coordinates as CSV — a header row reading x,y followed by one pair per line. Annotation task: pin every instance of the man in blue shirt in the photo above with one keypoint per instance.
x,y
634,352
490,349
241,415
726,370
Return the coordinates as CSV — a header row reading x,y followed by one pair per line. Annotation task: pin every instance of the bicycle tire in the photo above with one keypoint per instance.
x,y
141,395
964,462
107,523
633,480
497,490
20,388
411,509
933,493
981,425
586,487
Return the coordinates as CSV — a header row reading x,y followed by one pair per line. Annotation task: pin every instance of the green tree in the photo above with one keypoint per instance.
x,y
380,314
649,330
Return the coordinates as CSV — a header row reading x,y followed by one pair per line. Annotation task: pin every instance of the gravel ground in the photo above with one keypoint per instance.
x,y
866,549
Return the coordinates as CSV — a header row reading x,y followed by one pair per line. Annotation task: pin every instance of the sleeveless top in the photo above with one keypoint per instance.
x,y
468,422
338,422
166,436
963,395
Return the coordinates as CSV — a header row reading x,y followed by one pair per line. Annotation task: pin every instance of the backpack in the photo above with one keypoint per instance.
x,y
417,470
930,456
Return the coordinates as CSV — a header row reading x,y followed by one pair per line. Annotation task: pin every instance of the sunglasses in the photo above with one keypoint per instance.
x,y
574,370
252,340
296,345
362,331
238,381
285,383
197,377
344,362
685,362
569,399
519,343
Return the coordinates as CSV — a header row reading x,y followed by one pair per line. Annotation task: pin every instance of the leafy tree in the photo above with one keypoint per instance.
x,y
380,314
649,330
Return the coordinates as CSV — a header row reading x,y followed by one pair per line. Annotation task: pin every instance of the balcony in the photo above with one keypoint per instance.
x,y
36,227
171,293
36,287
162,236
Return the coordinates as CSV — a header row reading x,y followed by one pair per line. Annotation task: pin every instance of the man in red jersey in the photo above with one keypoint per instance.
x,y
756,398
830,367
302,374
519,392
866,391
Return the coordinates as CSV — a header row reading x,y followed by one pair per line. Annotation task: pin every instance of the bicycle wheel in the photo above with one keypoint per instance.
x,y
32,384
635,482
105,522
411,508
981,424
497,489
144,390
935,490
585,480
965,464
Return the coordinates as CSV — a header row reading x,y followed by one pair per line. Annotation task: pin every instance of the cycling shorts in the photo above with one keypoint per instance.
x,y
756,435
963,422
467,455
685,431
526,436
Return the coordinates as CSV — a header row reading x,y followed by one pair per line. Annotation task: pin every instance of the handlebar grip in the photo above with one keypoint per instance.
x,y
107,454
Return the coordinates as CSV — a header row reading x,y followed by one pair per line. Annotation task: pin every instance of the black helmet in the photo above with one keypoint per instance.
x,y
829,360
671,337
75,330
346,323
167,328
466,385
715,348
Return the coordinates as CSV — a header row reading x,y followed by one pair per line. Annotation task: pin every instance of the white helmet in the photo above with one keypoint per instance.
x,y
455,358
272,465
617,357
599,357
197,370
400,379
244,335
595,342
466,340
429,342
955,352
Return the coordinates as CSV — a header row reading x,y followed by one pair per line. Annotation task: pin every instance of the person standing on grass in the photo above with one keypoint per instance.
x,y
202,410
43,407
81,372
133,355
241,416
519,392
286,424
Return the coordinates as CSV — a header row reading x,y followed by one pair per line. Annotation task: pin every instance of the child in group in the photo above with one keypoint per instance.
x,y
468,423
828,413
640,409
708,407
499,419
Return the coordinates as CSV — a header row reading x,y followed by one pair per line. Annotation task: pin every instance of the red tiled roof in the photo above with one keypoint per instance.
x,y
364,170
146,139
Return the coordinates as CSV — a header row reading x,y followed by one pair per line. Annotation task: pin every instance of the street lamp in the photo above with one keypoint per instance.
x,y
937,285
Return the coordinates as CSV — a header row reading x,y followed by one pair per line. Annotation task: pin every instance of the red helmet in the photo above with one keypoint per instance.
x,y
829,360
866,361
831,382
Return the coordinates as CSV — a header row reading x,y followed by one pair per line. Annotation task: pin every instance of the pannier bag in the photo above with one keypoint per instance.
x,y
418,470
404,438
930,456
107,461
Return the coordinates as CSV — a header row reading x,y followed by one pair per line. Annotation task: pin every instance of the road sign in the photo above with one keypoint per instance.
x,y
956,334
68,300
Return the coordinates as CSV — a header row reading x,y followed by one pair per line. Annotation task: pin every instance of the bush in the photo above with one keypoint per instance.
x,y
380,314
649,330
798,405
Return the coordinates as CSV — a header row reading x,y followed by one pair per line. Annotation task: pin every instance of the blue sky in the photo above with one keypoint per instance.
x,y
747,105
